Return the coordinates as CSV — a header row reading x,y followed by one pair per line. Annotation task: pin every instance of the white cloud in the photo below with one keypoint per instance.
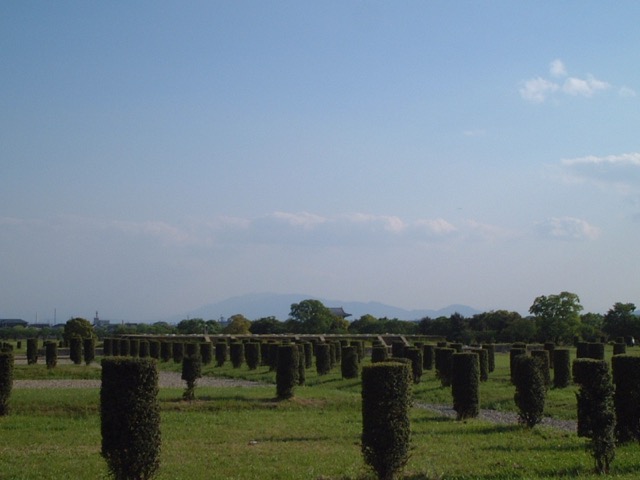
x,y
626,92
557,68
618,172
568,228
539,89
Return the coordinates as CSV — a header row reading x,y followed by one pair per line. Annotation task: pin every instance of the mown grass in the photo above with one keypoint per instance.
x,y
244,433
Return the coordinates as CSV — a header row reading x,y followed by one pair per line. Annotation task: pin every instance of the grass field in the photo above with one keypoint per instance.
x,y
243,433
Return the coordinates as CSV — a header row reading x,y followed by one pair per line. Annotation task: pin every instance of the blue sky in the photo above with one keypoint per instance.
x,y
159,156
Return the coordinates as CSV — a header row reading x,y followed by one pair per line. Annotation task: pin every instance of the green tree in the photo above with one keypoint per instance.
x,y
366,324
557,316
266,325
78,327
238,325
191,325
591,325
620,321
312,316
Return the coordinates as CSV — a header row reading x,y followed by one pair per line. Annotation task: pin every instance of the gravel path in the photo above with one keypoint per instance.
x,y
165,379
495,416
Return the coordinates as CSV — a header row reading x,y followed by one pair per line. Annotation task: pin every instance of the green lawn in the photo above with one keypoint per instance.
x,y
243,433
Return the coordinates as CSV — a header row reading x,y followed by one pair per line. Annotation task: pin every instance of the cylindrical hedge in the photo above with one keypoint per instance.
x,y
465,381
308,354
530,389
191,348
51,354
6,380
115,347
154,349
145,349
89,350
302,365
75,350
596,350
491,350
32,351
550,347
561,368
125,347
166,351
386,429
443,365
626,378
252,355
379,353
483,361
206,352
130,417
221,353
513,353
619,348
349,366
428,353
287,371
191,372
543,356
582,349
415,355
177,352
456,346
236,354
323,359
134,347
397,349
107,347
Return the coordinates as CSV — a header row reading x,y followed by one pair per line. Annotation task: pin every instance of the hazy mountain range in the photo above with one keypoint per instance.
x,y
259,305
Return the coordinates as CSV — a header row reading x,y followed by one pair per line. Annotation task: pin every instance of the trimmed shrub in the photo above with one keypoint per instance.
x,y
521,345
106,347
206,352
130,417
349,365
166,351
32,351
456,346
562,368
483,362
333,353
221,353
191,372
397,349
596,415
75,350
177,352
308,354
191,348
626,378
302,373
154,349
252,355
428,352
513,353
379,353
465,381
51,354
125,347
287,371
443,365
6,380
543,356
115,347
415,355
386,429
323,359
273,356
134,347
491,350
596,351
145,347
236,354
619,348
89,350
550,347
582,350
530,389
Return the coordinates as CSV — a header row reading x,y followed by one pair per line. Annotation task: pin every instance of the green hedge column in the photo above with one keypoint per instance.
x,y
428,356
75,350
221,353
166,351
206,352
543,356
177,352
443,365
130,417
252,355
491,350
415,355
323,359
236,354
89,350
626,378
51,354
561,368
595,409
386,430
465,381
287,371
349,365
531,390
6,380
191,372
32,351
379,353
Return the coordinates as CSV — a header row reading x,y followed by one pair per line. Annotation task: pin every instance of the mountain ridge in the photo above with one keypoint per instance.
x,y
258,305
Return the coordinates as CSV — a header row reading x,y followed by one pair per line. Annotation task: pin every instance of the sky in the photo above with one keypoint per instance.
x,y
157,156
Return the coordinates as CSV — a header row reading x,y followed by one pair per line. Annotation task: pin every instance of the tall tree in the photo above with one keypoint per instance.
x,y
312,315
238,325
557,316
78,327
620,321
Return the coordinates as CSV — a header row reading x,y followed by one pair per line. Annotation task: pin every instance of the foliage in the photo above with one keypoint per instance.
x,y
236,354
51,354
32,351
191,326
443,365
415,355
77,327
267,326
75,350
543,356
89,350
252,354
626,378
221,353
530,389
287,371
386,429
206,352
491,355
238,325
379,353
166,351
177,352
130,418
349,365
191,372
465,381
561,368
428,352
620,321
557,316
323,359
6,380
311,316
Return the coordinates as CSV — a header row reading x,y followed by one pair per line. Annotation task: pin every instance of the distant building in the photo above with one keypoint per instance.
x,y
339,312
97,323
12,322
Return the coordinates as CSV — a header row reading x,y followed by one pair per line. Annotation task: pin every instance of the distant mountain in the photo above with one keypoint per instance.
x,y
258,305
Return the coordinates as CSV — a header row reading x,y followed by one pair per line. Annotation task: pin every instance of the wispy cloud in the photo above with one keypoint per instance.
x,y
538,89
567,228
619,172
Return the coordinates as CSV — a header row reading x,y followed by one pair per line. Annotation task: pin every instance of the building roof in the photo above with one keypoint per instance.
x,y
339,312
